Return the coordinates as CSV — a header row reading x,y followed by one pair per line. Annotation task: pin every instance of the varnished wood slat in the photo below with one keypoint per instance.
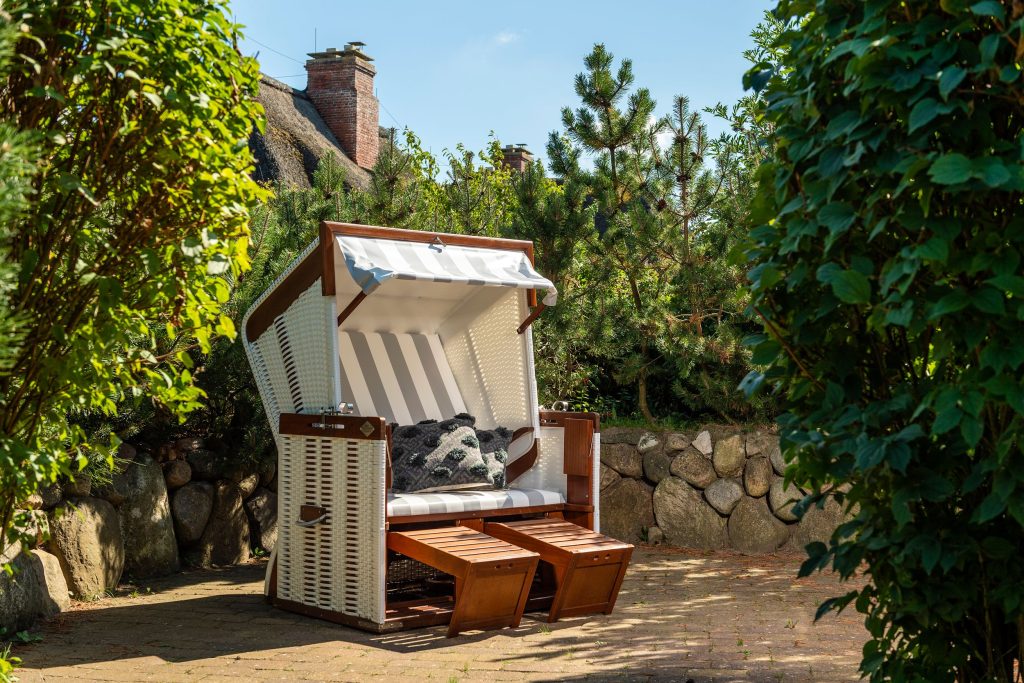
x,y
492,576
588,566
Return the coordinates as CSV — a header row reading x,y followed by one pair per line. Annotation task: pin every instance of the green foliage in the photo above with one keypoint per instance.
x,y
652,306
886,259
134,218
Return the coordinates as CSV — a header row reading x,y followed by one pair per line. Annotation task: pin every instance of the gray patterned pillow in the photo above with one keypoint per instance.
x,y
447,455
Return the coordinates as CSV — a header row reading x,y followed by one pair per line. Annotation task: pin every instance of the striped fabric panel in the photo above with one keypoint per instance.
x,y
373,261
407,504
404,378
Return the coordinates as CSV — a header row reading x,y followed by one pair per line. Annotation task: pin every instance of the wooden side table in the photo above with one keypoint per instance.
x,y
492,577
588,566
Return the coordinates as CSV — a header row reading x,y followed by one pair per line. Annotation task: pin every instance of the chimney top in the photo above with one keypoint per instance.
x,y
517,156
352,49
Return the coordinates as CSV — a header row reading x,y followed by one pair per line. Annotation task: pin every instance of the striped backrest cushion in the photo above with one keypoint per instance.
x,y
404,378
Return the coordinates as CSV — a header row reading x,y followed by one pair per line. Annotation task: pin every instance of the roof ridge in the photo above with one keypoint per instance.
x,y
283,87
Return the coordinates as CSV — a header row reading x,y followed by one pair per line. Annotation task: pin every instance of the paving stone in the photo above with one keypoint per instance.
x,y
679,616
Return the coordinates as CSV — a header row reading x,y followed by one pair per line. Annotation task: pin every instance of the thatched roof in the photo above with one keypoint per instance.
x,y
295,140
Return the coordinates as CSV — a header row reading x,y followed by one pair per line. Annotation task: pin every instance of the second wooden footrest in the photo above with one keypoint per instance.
x,y
588,566
492,577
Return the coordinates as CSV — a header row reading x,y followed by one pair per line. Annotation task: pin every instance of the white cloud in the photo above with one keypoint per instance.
x,y
505,38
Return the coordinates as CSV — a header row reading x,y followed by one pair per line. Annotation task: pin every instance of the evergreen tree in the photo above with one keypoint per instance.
x,y
615,126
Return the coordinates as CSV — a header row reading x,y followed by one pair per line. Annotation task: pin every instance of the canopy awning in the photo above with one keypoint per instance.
x,y
373,261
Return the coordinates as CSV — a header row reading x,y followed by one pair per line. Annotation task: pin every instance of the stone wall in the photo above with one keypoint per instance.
x,y
178,504
717,487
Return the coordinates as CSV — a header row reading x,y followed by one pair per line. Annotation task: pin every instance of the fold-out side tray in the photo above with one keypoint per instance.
x,y
588,567
492,577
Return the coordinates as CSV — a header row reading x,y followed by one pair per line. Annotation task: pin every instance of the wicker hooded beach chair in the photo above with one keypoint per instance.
x,y
371,327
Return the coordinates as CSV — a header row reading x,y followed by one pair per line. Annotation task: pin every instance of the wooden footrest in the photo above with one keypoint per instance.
x,y
588,566
492,577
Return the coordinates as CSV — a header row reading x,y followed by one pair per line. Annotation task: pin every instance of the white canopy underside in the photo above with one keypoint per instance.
x,y
371,262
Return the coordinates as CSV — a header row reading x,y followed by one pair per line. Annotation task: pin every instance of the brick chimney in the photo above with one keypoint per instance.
x,y
340,85
516,157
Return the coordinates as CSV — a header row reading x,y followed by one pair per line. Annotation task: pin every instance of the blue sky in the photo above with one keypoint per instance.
x,y
453,71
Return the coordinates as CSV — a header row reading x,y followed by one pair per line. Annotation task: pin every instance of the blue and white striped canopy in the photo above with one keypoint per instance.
x,y
373,261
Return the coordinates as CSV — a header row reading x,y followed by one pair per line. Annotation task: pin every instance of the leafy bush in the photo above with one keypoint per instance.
x,y
887,268
137,212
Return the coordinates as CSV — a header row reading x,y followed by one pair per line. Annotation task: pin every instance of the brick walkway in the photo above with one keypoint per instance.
x,y
681,615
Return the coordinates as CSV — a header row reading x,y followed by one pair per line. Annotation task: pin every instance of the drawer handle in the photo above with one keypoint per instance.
x,y
311,522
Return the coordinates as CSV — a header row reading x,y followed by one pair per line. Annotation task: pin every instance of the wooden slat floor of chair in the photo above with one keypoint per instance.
x,y
492,577
588,567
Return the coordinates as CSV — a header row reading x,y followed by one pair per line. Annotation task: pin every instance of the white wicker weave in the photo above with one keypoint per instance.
x,y
337,565
293,360
489,361
548,472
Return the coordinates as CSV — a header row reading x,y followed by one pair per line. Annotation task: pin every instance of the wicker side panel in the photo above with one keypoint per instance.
x,y
547,473
489,363
294,360
337,565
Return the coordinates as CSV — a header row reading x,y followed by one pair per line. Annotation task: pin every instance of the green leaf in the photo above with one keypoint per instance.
x,y
949,79
951,169
849,286
946,420
922,113
837,217
957,300
972,430
989,8
989,509
991,170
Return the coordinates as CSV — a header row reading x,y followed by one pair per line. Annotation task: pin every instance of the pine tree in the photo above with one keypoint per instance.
x,y
615,126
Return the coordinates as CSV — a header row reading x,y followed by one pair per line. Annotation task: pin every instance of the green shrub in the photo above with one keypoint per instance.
x,y
139,115
886,260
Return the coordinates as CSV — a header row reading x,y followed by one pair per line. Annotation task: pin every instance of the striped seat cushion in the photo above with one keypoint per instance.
x,y
402,377
408,504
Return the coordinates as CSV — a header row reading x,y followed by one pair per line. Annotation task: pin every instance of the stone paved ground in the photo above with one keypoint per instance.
x,y
681,615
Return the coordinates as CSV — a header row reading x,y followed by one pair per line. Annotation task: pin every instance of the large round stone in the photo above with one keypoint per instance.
x,y
783,498
51,495
247,484
21,595
146,523
676,442
817,524
54,594
608,476
757,476
685,518
693,468
774,453
262,511
623,458
114,491
729,456
267,471
703,442
723,494
80,486
177,473
190,508
188,444
206,465
86,539
626,510
753,529
226,537
656,465
621,435
647,443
